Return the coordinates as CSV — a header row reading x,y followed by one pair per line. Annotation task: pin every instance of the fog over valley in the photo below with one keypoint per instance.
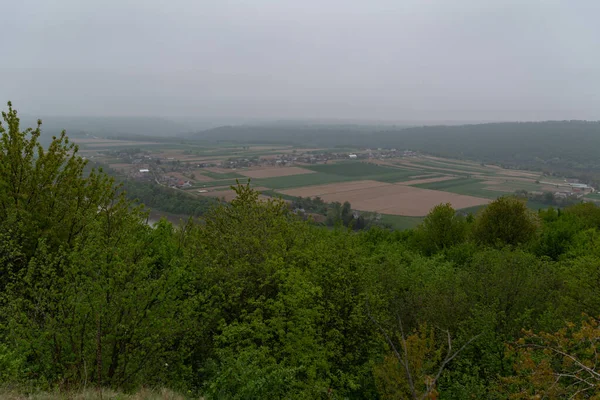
x,y
239,61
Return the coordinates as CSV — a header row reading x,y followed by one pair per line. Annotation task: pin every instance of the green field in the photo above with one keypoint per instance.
x,y
458,167
276,195
520,185
218,175
335,173
532,205
222,182
356,169
465,186
432,170
593,196
362,171
294,181
400,222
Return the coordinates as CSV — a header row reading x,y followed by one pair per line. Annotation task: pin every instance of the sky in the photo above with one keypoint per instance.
x,y
375,60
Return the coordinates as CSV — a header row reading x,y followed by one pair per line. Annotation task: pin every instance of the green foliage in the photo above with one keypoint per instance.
x,y
556,365
314,205
587,213
506,221
254,302
43,192
442,228
161,198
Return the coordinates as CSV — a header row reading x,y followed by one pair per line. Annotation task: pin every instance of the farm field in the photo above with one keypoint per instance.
x,y
400,188
313,191
386,198
275,172
294,181
401,222
221,175
428,180
452,166
593,196
463,186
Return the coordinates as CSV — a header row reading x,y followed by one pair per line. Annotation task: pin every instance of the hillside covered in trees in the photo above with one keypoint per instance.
x,y
551,145
255,303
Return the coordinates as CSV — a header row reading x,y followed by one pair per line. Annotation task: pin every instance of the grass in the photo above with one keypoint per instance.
x,y
339,172
225,175
294,181
532,205
222,182
276,195
464,186
432,170
401,222
358,169
593,196
442,165
517,185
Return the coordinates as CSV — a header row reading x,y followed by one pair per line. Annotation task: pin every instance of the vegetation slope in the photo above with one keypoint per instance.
x,y
255,303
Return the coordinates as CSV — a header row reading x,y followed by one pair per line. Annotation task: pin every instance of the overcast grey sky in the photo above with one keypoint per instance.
x,y
361,59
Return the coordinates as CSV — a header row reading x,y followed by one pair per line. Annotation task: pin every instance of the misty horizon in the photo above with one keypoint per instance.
x,y
384,62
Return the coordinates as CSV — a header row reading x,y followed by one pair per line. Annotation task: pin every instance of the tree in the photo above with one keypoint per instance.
x,y
441,228
506,221
588,213
346,214
44,194
415,364
557,365
89,293
334,214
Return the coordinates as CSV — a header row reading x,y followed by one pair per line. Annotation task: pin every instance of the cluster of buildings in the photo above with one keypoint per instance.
x,y
571,189
315,158
176,182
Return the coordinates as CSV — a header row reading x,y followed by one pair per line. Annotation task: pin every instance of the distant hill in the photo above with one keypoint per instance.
x,y
570,143
108,126
295,133
573,145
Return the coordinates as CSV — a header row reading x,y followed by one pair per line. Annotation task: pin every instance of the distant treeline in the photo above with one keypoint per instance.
x,y
165,199
553,145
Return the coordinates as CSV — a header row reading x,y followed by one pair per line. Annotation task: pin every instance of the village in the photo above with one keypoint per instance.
x,y
178,172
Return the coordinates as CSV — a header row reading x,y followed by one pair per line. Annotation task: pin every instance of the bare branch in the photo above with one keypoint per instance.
x,y
406,365
593,373
449,357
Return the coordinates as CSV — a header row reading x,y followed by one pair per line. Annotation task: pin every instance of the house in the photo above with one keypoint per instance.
x,y
560,195
353,156
143,171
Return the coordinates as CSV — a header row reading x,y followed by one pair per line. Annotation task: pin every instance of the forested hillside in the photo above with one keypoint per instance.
x,y
256,304
565,145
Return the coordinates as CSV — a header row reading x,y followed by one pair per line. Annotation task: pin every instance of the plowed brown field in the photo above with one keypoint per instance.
x,y
274,172
387,198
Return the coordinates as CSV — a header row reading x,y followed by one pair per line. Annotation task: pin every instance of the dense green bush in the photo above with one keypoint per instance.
x,y
255,303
